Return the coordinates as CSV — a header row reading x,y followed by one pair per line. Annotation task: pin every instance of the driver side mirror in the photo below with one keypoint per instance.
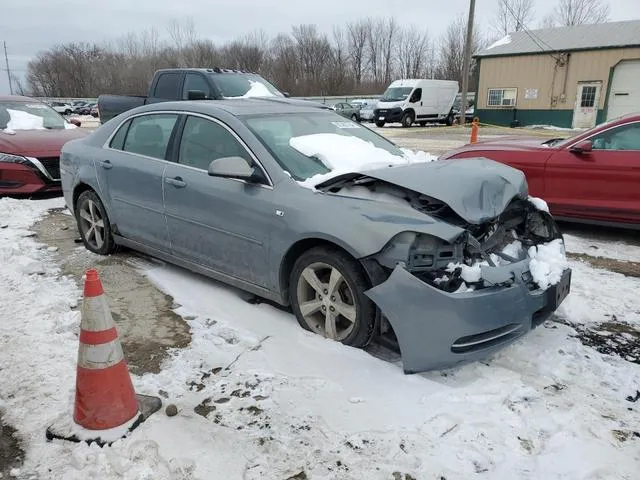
x,y
196,95
235,167
286,94
585,146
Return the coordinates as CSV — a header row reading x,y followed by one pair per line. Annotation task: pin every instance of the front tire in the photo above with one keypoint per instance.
x,y
93,224
326,290
407,120
67,112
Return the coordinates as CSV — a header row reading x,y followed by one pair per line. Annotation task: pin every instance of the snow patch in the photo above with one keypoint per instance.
x,y
20,120
548,261
553,127
257,89
66,427
69,126
506,40
347,154
539,203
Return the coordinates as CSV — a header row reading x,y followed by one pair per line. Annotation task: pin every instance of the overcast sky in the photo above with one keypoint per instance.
x,y
29,26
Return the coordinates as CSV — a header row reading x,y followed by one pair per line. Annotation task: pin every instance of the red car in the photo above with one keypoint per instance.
x,y
31,136
592,177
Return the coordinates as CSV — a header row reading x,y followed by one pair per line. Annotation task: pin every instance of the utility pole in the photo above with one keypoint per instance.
x,y
6,59
467,62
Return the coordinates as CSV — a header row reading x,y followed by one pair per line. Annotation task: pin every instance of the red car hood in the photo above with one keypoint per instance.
x,y
503,144
38,143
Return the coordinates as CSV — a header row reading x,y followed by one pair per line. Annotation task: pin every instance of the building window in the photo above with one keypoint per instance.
x,y
502,97
588,98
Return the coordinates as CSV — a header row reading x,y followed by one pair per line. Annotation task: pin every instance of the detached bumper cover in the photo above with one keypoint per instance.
x,y
436,329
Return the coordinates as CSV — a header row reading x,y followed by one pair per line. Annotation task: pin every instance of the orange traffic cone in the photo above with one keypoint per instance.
x,y
475,127
104,393
105,398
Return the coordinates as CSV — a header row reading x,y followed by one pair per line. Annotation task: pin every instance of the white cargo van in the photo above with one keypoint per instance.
x,y
416,100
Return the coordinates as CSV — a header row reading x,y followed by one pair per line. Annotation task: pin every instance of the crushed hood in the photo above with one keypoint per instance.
x,y
477,189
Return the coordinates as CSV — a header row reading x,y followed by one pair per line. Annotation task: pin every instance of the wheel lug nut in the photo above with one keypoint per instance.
x,y
323,307
333,299
332,309
319,297
325,291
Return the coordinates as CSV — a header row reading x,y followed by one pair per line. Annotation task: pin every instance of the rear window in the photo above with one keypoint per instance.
x,y
167,86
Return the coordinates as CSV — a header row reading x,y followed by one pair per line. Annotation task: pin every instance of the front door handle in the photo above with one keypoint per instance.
x,y
176,182
106,164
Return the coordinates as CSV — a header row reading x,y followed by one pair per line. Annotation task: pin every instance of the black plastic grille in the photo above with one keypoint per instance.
x,y
52,165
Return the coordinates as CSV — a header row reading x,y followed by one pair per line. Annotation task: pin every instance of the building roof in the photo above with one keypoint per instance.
x,y
563,39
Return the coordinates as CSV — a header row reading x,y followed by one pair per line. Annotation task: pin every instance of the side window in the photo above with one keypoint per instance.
x,y
149,135
194,81
117,141
626,137
204,141
167,86
417,95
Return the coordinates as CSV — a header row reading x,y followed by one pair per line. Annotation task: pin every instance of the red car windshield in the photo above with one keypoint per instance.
x,y
29,116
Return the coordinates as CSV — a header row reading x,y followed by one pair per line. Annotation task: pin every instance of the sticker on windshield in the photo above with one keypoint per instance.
x,y
36,105
345,125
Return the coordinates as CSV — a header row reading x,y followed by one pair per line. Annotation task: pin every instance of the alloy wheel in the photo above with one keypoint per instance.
x,y
92,224
326,301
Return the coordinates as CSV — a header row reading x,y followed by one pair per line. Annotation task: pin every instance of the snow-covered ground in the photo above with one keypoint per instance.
x,y
281,401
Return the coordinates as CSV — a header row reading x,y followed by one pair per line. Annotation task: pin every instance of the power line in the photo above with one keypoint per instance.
x,y
530,34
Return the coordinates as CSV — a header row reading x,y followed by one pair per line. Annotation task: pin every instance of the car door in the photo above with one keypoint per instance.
x,y
602,184
221,223
417,104
130,172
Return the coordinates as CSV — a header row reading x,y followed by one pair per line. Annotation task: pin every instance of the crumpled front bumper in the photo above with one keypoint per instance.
x,y
436,329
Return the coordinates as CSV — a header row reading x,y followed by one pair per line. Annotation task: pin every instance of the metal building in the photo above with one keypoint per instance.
x,y
568,76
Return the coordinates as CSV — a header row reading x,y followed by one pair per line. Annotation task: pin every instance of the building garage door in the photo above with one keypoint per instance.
x,y
624,96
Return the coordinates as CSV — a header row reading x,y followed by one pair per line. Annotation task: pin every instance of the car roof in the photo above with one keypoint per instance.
x,y
238,107
17,98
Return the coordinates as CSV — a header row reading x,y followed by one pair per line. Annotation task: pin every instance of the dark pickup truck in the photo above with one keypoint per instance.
x,y
196,84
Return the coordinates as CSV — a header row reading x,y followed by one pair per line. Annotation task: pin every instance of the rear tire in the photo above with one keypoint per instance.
x,y
450,120
354,117
379,124
330,286
93,224
407,120
67,112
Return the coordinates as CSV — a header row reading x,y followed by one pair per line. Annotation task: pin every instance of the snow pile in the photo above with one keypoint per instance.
x,y
69,126
257,89
539,203
506,40
548,261
20,120
348,154
553,127
282,401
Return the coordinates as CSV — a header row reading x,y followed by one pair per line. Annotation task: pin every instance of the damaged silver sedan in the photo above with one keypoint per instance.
x,y
450,259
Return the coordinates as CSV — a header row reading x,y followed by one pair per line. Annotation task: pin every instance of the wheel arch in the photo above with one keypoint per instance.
x,y
303,245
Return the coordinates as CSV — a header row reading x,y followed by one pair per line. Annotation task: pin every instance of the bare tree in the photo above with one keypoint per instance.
x,y
357,34
580,12
513,15
548,21
451,52
413,51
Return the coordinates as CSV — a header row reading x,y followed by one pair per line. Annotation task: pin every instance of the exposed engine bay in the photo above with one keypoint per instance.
x,y
455,267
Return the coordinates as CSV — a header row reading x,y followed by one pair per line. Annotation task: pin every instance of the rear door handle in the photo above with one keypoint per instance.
x,y
106,164
176,182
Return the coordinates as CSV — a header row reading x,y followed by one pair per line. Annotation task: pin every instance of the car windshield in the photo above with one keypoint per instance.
x,y
396,94
29,116
276,131
243,85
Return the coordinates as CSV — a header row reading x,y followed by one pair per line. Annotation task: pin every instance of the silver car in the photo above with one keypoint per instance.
x,y
217,187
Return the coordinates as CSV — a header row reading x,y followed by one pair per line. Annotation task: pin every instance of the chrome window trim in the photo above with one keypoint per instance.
x,y
106,145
